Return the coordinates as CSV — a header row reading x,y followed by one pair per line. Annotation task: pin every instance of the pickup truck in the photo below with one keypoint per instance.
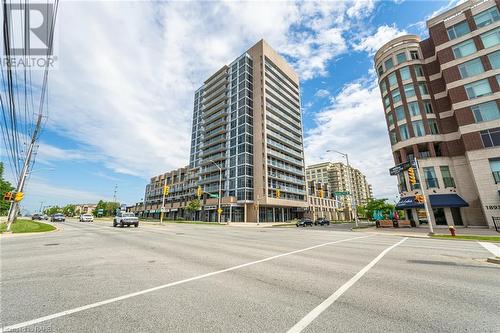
x,y
125,219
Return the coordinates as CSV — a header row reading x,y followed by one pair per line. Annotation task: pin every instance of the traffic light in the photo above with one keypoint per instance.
x,y
278,193
166,190
19,196
199,192
419,198
8,196
411,176
321,193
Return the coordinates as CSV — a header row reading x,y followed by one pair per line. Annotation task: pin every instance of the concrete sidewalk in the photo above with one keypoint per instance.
x,y
423,231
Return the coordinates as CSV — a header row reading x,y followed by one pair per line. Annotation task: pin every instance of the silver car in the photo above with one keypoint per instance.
x,y
125,219
86,218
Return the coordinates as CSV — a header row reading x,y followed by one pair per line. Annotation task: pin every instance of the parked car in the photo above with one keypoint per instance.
x,y
39,217
304,223
321,221
58,218
86,218
125,219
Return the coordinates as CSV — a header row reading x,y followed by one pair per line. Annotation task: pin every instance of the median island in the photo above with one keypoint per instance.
x,y
24,226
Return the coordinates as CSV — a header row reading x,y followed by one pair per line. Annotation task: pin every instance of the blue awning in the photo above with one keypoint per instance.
x,y
437,201
447,200
408,202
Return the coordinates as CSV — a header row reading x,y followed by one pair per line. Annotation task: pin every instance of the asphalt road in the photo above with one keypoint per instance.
x,y
195,278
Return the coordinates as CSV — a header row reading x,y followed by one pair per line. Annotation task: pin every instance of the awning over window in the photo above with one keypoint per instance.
x,y
437,201
447,200
408,202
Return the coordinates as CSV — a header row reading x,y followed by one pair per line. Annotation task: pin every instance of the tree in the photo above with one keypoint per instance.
x,y
5,186
69,210
193,206
378,204
108,208
53,210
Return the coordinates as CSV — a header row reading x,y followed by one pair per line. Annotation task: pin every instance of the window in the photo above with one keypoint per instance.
x,y
487,17
380,70
390,119
405,73
495,169
401,57
491,137
388,64
430,177
400,113
423,88
491,38
458,30
464,49
414,55
394,139
419,71
418,128
403,132
494,59
386,101
433,126
471,68
478,89
428,107
409,90
414,109
392,79
383,87
447,178
396,96
498,79
486,111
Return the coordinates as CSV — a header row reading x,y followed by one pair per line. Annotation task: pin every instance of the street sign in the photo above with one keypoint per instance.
x,y
339,194
213,195
396,170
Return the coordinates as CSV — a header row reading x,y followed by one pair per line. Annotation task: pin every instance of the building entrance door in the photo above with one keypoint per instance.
x,y
439,216
457,217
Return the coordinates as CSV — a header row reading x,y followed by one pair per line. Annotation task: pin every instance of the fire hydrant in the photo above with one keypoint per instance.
x,y
452,230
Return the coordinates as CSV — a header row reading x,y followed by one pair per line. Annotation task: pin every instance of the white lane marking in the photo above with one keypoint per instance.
x,y
142,292
492,248
304,322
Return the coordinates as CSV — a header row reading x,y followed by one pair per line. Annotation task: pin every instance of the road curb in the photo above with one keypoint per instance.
x,y
11,234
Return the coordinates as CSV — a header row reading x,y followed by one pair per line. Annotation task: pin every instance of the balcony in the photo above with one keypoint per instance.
x,y
448,182
496,176
431,183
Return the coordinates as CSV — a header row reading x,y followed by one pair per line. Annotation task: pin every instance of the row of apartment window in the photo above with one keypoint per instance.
x,y
409,91
468,47
400,58
418,130
414,110
482,19
405,74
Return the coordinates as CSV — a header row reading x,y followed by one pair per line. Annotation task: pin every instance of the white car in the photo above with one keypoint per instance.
x,y
86,218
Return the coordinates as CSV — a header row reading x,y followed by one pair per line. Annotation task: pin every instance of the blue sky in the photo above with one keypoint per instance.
x,y
120,101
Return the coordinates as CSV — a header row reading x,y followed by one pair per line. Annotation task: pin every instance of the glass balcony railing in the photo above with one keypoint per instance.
x,y
496,176
432,183
448,182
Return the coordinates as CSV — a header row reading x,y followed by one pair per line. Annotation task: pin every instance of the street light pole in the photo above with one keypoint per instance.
x,y
220,192
426,203
351,185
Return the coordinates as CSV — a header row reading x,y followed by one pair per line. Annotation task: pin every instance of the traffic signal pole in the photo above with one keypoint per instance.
x,y
426,202
163,199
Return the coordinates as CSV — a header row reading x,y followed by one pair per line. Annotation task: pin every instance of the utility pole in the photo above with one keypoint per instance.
x,y
114,193
426,202
24,172
41,206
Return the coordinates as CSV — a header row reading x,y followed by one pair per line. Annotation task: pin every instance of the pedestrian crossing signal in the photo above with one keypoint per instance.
x,y
8,196
411,176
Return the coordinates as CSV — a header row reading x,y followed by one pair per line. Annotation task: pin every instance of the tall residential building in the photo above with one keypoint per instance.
x,y
341,178
441,97
247,121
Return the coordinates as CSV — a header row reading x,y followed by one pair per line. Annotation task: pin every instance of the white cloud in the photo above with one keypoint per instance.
x,y
128,70
322,93
372,43
354,123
